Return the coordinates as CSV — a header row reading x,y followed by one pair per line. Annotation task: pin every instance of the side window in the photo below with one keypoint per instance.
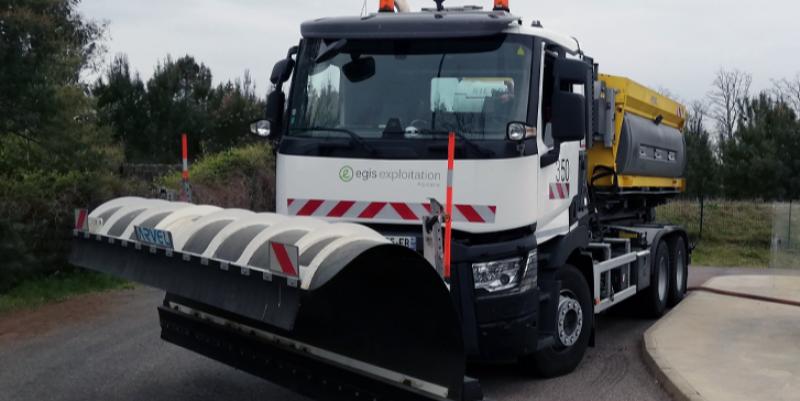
x,y
547,99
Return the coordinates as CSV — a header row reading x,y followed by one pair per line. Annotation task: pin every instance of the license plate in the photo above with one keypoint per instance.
x,y
406,241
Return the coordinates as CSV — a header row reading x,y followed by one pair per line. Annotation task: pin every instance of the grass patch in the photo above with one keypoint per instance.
x,y
36,292
735,233
722,255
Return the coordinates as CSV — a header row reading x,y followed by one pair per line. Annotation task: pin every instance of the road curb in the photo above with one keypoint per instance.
x,y
669,377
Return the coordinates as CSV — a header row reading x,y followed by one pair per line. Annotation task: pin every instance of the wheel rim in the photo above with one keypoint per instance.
x,y
680,265
662,278
570,319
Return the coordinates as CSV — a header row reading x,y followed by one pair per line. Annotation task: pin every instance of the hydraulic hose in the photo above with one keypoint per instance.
x,y
743,295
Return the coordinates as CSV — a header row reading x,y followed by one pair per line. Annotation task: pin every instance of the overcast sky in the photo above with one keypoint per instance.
x,y
672,44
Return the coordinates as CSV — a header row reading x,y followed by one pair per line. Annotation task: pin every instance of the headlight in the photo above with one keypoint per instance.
x,y
531,274
497,275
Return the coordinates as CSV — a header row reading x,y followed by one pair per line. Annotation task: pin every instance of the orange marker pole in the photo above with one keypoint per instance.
x,y
448,207
187,191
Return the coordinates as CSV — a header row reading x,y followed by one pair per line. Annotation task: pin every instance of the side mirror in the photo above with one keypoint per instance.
x,y
272,124
260,128
569,116
572,112
273,115
282,71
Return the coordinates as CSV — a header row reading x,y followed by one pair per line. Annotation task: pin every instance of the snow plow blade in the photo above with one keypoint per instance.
x,y
330,310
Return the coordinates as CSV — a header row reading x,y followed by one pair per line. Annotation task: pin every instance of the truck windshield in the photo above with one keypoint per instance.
x,y
411,88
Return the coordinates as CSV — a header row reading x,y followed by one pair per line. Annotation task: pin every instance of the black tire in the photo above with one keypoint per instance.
x,y
654,298
559,359
679,270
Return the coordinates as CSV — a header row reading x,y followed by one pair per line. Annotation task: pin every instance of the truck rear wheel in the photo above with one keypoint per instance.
x,y
654,298
573,327
678,270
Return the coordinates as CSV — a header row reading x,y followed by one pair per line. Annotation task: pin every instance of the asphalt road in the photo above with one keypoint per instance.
x,y
107,346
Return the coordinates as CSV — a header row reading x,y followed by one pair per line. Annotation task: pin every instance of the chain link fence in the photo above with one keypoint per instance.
x,y
785,246
738,232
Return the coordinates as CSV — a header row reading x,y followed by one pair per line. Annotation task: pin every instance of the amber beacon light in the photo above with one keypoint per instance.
x,y
387,6
501,5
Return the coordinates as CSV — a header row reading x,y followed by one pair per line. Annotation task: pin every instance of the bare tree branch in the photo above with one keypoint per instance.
x,y
695,119
730,87
788,90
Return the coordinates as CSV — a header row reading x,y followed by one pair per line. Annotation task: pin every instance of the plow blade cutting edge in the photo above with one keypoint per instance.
x,y
330,310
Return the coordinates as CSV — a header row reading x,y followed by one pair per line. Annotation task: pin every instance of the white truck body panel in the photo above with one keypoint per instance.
x,y
510,185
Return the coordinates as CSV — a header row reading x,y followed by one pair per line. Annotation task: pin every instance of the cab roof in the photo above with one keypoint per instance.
x,y
431,24
411,25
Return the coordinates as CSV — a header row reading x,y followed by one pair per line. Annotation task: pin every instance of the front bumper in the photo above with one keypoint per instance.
x,y
506,326
498,326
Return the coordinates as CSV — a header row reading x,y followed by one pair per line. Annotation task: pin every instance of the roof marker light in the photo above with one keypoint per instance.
x,y
386,6
501,5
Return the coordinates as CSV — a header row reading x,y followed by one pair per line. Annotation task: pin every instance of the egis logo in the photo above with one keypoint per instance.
x,y
427,178
346,174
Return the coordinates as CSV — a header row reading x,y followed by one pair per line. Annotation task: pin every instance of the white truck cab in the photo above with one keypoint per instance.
x,y
361,137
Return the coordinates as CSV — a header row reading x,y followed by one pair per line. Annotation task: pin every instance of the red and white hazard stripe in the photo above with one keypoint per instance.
x,y
559,190
82,219
283,258
393,211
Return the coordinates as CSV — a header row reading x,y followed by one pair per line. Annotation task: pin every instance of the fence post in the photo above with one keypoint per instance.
x,y
789,236
702,216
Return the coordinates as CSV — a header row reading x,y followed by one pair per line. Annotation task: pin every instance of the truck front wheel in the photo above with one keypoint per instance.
x,y
573,327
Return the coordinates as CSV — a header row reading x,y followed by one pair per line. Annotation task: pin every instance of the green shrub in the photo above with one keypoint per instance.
x,y
242,177
37,213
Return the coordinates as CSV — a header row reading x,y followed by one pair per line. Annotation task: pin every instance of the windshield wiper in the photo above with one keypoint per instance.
x,y
478,148
353,136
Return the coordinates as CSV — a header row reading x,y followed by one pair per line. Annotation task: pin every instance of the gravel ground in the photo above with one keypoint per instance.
x,y
107,346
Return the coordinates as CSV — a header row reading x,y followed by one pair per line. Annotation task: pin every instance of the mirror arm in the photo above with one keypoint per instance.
x,y
551,156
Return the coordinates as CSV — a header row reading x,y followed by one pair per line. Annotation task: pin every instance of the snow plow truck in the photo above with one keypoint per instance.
x,y
453,185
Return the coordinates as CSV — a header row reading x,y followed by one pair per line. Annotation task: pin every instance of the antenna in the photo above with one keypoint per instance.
x,y
439,5
577,43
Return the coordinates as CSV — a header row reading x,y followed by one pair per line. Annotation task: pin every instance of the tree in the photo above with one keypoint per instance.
x,y
122,104
730,88
760,160
702,167
45,46
788,90
177,97
233,106
53,153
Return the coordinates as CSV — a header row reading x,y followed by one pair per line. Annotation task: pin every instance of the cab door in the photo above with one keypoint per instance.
x,y
564,117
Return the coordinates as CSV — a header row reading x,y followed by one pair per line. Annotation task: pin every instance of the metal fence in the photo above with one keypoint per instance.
x,y
785,246
739,232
